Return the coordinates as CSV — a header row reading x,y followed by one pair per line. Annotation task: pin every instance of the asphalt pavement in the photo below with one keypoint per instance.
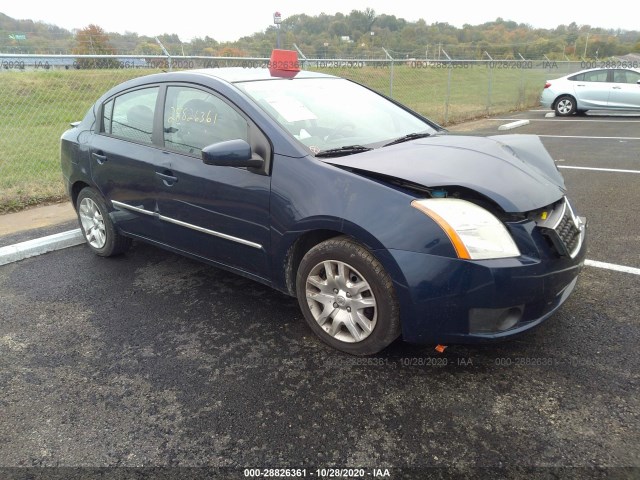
x,y
154,360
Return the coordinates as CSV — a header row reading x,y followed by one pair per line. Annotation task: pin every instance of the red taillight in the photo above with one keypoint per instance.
x,y
547,85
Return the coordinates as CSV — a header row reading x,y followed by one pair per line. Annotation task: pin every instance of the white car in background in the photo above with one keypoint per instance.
x,y
593,89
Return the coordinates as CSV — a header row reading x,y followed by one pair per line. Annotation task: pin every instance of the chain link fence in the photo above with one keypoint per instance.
x,y
41,95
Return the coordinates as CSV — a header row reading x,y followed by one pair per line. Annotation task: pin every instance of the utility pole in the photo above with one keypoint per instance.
x,y
585,46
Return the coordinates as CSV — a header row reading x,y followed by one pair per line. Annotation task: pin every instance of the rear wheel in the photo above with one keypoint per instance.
x,y
96,225
565,106
347,298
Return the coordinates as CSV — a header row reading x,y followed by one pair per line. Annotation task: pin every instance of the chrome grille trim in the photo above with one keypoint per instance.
x,y
565,230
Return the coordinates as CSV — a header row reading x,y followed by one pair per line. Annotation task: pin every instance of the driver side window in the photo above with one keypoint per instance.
x,y
194,118
625,76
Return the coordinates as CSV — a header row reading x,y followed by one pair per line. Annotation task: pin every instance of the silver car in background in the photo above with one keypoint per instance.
x,y
593,89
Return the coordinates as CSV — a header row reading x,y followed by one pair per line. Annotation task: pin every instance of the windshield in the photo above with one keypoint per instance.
x,y
330,113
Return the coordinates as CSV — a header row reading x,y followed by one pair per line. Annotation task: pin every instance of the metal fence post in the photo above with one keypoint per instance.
x,y
490,82
164,50
304,58
523,96
391,74
448,97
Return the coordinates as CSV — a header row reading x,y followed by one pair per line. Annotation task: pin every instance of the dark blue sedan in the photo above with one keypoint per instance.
x,y
377,220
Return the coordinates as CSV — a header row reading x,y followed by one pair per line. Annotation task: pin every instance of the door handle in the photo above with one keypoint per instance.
x,y
99,156
167,178
617,88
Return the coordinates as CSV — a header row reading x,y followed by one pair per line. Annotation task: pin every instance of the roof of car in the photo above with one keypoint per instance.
x,y
239,74
225,75
599,69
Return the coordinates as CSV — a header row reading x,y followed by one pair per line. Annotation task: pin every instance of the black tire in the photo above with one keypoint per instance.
x,y
355,303
565,105
96,225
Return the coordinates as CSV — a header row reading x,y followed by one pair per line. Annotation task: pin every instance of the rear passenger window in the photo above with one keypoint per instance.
x,y
130,116
596,76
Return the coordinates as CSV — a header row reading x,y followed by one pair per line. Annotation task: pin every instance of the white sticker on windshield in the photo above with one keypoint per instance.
x,y
291,109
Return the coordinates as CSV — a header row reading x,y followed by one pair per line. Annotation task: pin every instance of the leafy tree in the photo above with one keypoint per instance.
x,y
148,48
231,52
502,38
339,28
93,40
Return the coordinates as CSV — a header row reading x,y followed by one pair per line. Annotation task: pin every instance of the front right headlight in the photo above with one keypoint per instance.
x,y
475,233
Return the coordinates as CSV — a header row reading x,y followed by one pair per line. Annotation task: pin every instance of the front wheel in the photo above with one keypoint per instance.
x,y
347,298
565,106
96,225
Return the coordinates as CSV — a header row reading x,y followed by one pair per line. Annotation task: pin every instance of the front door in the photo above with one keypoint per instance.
x,y
218,213
625,91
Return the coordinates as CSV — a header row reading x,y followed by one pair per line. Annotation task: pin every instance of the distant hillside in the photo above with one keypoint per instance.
x,y
27,36
358,34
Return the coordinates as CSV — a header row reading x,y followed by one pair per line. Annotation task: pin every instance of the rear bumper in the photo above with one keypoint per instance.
x,y
445,300
546,98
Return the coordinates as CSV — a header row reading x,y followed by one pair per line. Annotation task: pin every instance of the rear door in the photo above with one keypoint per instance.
x,y
217,213
592,89
625,91
124,159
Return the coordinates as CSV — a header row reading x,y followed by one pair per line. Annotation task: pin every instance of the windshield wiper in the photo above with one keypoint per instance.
x,y
406,138
346,150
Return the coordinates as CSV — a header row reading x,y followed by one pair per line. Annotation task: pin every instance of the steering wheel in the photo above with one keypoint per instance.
x,y
343,130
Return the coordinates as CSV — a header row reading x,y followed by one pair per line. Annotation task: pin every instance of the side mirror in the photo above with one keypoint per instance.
x,y
232,153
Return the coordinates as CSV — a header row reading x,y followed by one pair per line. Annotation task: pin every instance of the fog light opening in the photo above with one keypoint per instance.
x,y
494,320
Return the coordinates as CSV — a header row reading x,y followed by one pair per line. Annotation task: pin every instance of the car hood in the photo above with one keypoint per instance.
x,y
515,171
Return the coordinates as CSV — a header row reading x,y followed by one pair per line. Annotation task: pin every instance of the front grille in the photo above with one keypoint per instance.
x,y
564,229
568,232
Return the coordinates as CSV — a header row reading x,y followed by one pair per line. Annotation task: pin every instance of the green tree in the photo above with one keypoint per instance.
x,y
148,48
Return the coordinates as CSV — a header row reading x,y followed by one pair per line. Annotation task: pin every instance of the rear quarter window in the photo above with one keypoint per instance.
x,y
130,115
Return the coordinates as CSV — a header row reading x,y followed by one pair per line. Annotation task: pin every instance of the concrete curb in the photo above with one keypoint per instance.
x,y
38,246
516,124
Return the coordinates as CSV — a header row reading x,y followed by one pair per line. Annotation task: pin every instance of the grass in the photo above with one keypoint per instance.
x,y
469,92
36,107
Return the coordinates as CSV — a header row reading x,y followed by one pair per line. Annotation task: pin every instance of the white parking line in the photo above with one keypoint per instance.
x,y
612,266
597,169
563,120
584,137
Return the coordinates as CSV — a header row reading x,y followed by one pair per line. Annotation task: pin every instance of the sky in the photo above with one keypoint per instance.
x,y
230,20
